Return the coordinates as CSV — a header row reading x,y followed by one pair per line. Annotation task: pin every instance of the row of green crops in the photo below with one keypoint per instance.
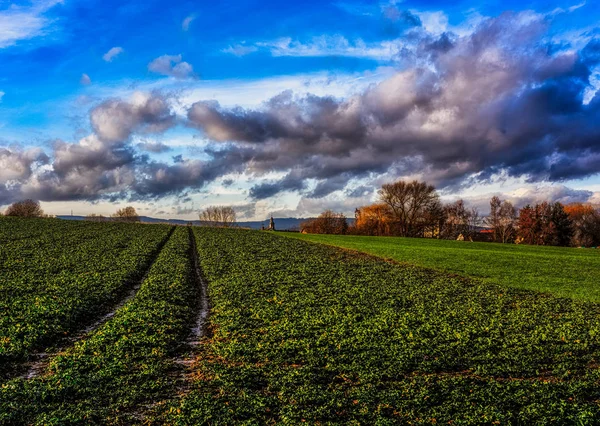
x,y
14,228
54,283
303,332
120,369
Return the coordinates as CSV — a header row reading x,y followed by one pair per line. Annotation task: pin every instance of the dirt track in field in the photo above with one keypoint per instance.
x,y
38,362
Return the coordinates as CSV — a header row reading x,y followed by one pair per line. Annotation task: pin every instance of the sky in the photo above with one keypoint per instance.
x,y
291,108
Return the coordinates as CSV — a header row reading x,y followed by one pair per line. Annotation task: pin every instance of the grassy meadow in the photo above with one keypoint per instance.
x,y
562,271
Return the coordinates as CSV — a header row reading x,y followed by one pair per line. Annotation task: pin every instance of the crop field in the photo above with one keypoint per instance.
x,y
562,271
297,333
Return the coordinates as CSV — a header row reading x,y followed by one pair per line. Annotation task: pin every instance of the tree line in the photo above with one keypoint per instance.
x,y
414,209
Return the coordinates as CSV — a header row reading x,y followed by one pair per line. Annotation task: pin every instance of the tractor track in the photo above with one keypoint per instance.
x,y
38,362
199,329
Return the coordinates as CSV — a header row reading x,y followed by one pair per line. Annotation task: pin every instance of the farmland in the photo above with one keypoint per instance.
x,y
562,271
297,332
57,275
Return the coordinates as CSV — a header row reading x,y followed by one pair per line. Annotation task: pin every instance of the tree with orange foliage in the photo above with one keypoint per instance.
x,y
586,224
375,219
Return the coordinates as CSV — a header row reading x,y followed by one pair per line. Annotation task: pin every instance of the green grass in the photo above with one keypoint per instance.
x,y
564,272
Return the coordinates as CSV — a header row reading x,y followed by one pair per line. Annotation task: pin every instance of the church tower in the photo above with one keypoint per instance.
x,y
272,224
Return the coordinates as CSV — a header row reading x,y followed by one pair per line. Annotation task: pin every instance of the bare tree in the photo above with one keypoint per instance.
x,y
126,214
409,201
473,221
220,216
493,220
507,218
25,208
459,220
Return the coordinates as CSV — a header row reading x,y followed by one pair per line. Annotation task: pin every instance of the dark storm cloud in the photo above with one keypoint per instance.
x,y
498,100
292,182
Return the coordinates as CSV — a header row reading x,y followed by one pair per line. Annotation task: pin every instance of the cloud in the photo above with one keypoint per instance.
x,y
292,182
85,80
115,120
245,211
240,50
402,16
172,66
461,110
2,95
112,53
154,147
336,45
24,23
17,165
104,165
185,24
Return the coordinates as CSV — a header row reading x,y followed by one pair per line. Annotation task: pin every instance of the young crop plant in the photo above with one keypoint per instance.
x,y
304,333
58,279
116,372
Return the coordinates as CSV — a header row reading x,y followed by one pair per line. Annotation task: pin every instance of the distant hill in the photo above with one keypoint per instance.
x,y
281,224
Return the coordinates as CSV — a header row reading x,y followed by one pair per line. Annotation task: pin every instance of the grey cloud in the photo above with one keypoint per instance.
x,y
460,110
359,191
116,120
103,165
154,147
292,182
496,101
172,66
245,211
112,53
17,165
327,186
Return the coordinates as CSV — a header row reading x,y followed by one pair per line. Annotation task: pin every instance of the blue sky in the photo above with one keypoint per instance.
x,y
288,108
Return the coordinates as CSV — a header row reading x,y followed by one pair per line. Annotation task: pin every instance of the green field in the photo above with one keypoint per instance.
x,y
297,333
562,271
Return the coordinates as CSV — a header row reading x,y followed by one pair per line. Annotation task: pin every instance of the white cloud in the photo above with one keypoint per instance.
x,y
185,25
1,95
434,22
173,66
560,10
112,53
240,50
20,23
252,93
336,45
85,79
